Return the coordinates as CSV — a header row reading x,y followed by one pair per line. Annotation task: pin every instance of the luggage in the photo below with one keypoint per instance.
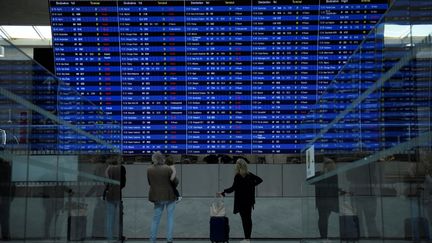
x,y
77,219
349,228
219,229
416,229
76,230
217,208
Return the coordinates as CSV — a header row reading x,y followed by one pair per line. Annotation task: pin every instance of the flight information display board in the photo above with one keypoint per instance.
x,y
198,77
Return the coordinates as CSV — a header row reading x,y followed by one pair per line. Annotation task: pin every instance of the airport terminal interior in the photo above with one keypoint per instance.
x,y
321,109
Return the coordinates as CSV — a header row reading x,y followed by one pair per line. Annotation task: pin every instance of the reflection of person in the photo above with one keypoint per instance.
x,y
326,197
161,193
53,202
7,192
174,181
364,201
428,193
113,196
99,221
244,195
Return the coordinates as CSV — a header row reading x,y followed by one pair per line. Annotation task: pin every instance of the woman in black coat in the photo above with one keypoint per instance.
x,y
244,195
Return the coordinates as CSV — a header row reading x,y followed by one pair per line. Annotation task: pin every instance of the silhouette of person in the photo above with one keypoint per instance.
x,y
113,195
326,197
7,192
53,202
244,195
99,221
362,187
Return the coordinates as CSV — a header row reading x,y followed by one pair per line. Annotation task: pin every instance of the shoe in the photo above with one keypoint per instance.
x,y
179,199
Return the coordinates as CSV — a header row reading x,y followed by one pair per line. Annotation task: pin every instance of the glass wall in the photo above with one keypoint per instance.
x,y
373,142
47,186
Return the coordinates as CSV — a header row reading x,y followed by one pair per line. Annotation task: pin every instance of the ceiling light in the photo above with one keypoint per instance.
x,y
20,32
402,31
395,30
3,34
44,31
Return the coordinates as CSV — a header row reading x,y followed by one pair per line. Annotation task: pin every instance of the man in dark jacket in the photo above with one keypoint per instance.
x,y
7,191
161,193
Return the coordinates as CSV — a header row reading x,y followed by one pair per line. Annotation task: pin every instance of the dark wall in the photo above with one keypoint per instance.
x,y
24,12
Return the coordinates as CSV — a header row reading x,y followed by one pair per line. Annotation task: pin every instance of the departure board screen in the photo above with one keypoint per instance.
x,y
199,77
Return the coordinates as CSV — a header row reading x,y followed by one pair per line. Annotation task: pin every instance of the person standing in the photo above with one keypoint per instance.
x,y
7,192
363,188
113,195
99,211
326,197
161,193
244,195
174,181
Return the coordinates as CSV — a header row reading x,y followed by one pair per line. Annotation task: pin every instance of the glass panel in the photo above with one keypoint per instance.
x,y
379,139
52,172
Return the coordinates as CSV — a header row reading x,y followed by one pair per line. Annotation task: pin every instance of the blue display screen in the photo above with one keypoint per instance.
x,y
201,77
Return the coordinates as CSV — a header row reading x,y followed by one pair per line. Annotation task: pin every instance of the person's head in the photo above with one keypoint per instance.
x,y
4,161
241,167
158,158
114,160
169,160
328,165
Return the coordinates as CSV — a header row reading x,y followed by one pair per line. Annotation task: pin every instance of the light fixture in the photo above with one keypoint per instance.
x,y
20,32
403,31
43,31
395,30
3,34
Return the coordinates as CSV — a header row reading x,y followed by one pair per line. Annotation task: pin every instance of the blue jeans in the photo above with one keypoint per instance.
x,y
158,209
111,212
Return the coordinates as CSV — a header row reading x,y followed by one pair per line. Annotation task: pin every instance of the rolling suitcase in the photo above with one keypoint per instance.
x,y
77,220
349,228
219,229
416,229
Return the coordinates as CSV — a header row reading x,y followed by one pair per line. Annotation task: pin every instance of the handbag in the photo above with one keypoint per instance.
x,y
346,208
217,208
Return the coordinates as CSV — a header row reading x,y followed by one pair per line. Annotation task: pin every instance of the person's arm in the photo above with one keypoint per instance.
x,y
256,179
148,178
174,173
232,188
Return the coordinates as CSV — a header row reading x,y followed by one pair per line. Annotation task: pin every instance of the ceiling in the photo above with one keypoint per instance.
x,y
24,12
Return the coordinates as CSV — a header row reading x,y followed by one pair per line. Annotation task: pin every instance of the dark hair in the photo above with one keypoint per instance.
x,y
169,160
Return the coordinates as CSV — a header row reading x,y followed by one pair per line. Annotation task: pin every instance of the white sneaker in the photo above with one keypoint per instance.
x,y
179,199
